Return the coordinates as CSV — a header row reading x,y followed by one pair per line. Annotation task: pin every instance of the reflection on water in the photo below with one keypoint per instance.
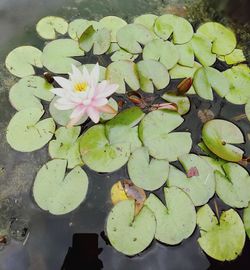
x,y
50,237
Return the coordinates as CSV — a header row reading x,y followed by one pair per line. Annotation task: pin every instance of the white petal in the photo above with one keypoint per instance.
x,y
59,92
85,75
78,112
93,114
106,89
63,104
95,73
64,83
99,102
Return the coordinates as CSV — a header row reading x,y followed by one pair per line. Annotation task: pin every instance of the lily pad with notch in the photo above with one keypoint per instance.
x,y
182,102
78,26
56,193
147,20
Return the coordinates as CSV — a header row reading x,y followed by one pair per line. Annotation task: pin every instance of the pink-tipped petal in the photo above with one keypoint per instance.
x,y
99,102
78,112
93,114
64,83
107,109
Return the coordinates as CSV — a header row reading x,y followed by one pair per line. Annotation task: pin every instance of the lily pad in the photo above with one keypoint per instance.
x,y
123,55
28,91
98,154
222,240
155,131
223,38
233,187
176,221
208,78
247,110
113,24
132,36
48,26
98,39
201,187
66,146
239,84
186,54
147,20
58,55
215,163
56,193
25,133
122,72
21,60
246,220
163,51
152,73
128,234
182,102
77,27
235,57
122,128
145,173
180,72
63,117
169,24
219,135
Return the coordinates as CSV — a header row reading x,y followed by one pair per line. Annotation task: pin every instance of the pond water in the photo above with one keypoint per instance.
x,y
51,236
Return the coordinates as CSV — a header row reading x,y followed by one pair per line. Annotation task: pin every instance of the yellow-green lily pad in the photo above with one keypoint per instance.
x,y
247,110
147,20
182,102
180,72
235,57
246,220
77,27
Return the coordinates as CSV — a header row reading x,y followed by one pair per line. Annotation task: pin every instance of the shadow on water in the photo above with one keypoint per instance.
x,y
40,241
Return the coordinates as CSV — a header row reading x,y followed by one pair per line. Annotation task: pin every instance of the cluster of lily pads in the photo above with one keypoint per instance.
x,y
144,55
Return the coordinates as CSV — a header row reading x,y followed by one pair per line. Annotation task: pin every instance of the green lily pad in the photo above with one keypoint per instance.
x,y
132,36
122,72
48,26
147,20
56,193
62,117
182,102
98,154
233,187
155,131
145,173
216,164
180,72
246,220
205,149
152,73
77,27
108,116
163,51
208,78
199,187
28,91
98,39
21,60
122,128
123,55
239,84
58,55
223,38
168,24
235,57
247,110
26,134
127,233
176,221
66,146
223,240
219,135
186,54
113,24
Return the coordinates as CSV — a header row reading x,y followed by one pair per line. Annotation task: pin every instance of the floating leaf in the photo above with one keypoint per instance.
x,y
199,187
132,36
98,39
152,73
180,72
235,57
154,131
219,135
223,39
26,134
128,234
206,79
246,220
186,54
223,240
58,55
182,102
168,24
233,186
48,26
123,71
77,27
176,221
147,20
98,154
239,84
215,163
28,91
120,54
163,51
21,60
247,110
66,146
145,173
56,193
121,129
113,24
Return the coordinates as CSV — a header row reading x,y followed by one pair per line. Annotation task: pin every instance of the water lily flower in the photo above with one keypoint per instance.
x,y
84,94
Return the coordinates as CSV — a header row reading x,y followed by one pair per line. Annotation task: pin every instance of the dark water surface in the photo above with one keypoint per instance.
x,y
51,236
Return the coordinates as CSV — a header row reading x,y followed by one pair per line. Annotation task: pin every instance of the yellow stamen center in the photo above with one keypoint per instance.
x,y
81,87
